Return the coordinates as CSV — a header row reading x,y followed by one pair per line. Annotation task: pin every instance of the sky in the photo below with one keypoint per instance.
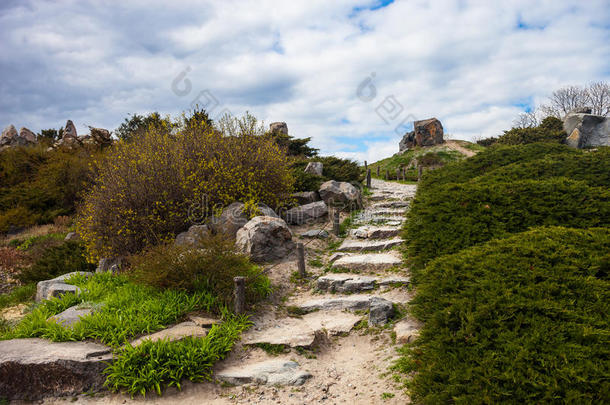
x,y
352,75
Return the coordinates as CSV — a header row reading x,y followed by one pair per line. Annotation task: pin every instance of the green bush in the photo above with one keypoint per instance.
x,y
55,261
154,365
135,126
550,130
447,219
211,267
333,169
517,320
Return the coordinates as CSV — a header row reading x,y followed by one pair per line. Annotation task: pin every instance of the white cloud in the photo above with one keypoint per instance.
x,y
465,62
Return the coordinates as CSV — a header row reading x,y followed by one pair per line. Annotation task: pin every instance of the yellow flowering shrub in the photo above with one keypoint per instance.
x,y
149,189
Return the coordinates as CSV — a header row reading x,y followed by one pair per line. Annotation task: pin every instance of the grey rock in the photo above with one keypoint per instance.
x,y
581,110
72,236
280,127
380,311
340,194
345,283
56,287
9,136
336,256
265,239
394,280
306,197
270,372
350,245
70,130
27,135
100,136
586,130
350,302
428,132
174,333
31,369
314,168
392,204
234,217
109,264
71,315
370,262
375,232
193,236
306,213
315,233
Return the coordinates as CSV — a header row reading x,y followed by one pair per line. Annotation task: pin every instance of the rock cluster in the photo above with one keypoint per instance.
x,y
428,132
10,137
586,130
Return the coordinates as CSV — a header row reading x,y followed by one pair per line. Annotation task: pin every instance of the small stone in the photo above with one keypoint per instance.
x,y
71,315
315,233
380,311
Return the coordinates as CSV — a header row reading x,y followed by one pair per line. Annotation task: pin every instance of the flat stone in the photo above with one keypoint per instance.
x,y
392,204
375,232
333,322
387,220
31,369
394,280
349,302
371,261
345,283
57,287
176,332
270,372
351,245
336,256
315,233
406,331
71,315
386,211
308,213
288,332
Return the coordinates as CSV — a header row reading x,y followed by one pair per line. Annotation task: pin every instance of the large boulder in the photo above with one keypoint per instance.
x,y
70,130
306,197
27,135
428,132
265,239
31,369
57,287
193,236
234,217
340,194
9,136
306,213
280,127
314,168
586,130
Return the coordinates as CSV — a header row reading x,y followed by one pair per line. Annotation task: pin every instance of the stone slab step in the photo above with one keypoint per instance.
x,y
380,309
375,232
270,372
355,245
387,220
306,331
351,283
370,261
34,368
397,212
391,204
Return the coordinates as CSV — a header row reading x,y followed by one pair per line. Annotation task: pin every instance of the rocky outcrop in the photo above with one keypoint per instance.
x,y
193,237
314,168
340,194
56,287
585,130
265,239
306,213
70,130
31,369
100,136
280,127
10,137
27,135
427,132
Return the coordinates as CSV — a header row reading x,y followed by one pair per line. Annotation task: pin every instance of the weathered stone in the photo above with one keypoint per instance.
x,y
193,236
586,130
27,135
70,130
31,369
315,233
270,372
336,256
306,197
109,264
280,127
9,136
204,321
100,136
350,245
71,315
235,217
394,280
288,332
57,286
380,311
374,232
427,132
406,331
314,168
345,283
72,236
371,262
391,204
350,302
306,213
265,239
176,332
340,194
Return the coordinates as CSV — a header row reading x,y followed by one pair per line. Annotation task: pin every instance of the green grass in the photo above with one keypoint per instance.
x,y
19,295
154,365
517,320
271,349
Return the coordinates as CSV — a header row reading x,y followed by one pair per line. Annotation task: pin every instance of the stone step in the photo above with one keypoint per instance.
x,y
398,212
36,368
270,372
342,282
375,232
380,309
307,331
391,204
386,220
355,245
370,261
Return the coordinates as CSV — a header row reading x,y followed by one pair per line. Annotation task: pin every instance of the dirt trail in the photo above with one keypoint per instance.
x,y
351,367
456,146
